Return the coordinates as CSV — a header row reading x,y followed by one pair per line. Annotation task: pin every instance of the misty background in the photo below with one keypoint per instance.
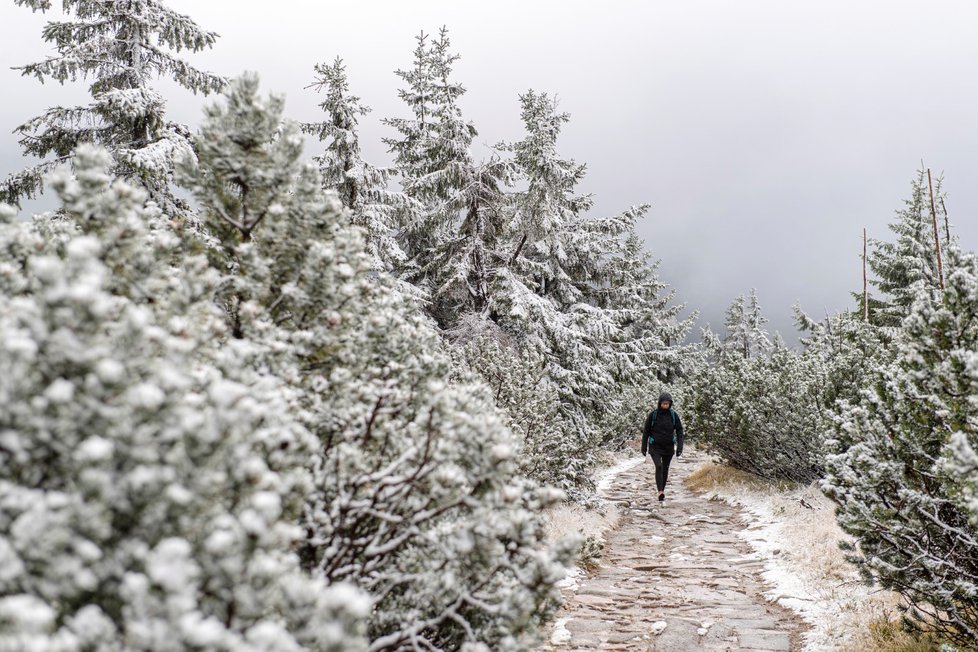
x,y
766,134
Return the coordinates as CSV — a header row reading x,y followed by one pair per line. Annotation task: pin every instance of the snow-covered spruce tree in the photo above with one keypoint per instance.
x,y
464,264
416,497
121,47
650,323
572,287
465,198
412,155
648,350
548,205
438,139
149,478
745,327
897,266
410,148
362,187
625,318
901,455
451,230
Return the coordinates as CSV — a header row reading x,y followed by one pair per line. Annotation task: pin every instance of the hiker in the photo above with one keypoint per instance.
x,y
662,437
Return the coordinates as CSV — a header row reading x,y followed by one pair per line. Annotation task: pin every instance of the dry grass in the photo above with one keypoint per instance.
x,y
888,635
711,476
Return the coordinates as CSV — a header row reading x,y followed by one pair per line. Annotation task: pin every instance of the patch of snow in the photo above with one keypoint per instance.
x,y
94,449
560,634
607,476
572,580
658,627
501,452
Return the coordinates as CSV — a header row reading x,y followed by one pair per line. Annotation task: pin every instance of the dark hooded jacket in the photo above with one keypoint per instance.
x,y
663,429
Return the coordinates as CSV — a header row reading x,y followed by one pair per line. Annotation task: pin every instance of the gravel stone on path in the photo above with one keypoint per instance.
x,y
680,563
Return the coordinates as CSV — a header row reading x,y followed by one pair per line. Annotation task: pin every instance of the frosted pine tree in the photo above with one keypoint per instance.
x,y
897,266
901,459
537,301
623,312
757,334
449,235
362,187
149,478
121,47
735,322
410,149
464,265
790,433
416,495
648,348
411,152
744,323
850,350
530,402
548,205
439,140
574,288
651,326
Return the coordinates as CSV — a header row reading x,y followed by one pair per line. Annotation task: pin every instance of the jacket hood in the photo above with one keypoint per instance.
x,y
665,396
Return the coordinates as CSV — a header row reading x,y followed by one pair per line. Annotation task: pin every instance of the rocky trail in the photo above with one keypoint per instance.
x,y
673,578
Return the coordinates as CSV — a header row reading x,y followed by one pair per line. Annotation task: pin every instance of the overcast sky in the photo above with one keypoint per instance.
x,y
764,133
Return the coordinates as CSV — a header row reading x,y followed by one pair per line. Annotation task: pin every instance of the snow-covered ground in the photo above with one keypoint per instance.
x,y
794,531
606,477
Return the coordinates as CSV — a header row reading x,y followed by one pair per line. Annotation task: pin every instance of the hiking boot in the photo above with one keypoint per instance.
x,y
662,496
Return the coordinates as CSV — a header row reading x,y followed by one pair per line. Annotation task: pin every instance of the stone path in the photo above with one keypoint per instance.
x,y
680,566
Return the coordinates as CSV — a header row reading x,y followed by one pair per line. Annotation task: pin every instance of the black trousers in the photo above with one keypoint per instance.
x,y
661,459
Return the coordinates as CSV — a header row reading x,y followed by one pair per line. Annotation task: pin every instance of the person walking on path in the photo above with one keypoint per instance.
x,y
662,438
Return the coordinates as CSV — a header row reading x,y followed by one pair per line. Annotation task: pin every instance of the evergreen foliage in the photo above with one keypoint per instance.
x,y
910,258
581,292
760,414
150,475
745,327
530,402
122,47
504,251
362,187
433,157
328,416
416,495
902,462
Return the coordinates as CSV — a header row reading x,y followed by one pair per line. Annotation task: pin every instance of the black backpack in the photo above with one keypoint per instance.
x,y
672,413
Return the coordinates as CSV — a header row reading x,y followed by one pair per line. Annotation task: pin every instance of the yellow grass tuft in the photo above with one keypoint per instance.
x,y
710,476
888,635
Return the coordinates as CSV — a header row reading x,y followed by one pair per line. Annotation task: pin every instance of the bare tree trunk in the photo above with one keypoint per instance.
x,y
947,225
865,287
937,237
